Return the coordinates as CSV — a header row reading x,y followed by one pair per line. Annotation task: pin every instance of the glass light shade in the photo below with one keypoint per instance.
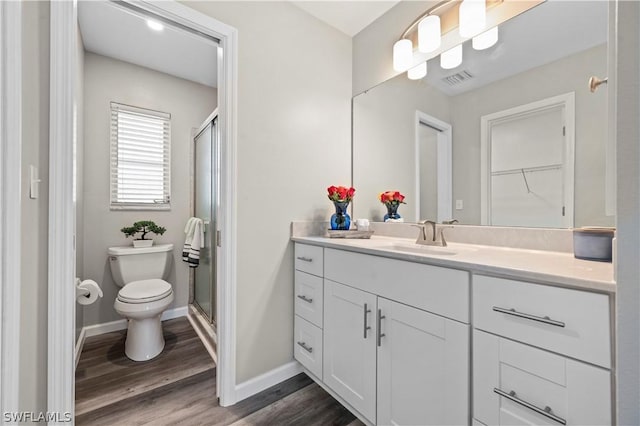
x,y
402,55
473,17
155,25
451,58
429,34
486,39
417,72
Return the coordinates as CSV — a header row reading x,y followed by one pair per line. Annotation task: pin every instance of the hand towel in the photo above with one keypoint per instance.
x,y
188,230
197,243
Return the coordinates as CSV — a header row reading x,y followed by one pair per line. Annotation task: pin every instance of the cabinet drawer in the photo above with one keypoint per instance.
x,y
309,259
307,345
309,294
514,383
571,322
442,291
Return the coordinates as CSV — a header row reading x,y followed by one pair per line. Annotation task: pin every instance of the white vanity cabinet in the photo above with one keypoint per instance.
x,y
395,338
541,354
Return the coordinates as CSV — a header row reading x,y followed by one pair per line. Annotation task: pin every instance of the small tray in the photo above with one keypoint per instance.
x,y
352,233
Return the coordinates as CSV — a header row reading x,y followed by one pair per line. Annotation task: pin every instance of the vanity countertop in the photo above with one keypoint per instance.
x,y
554,268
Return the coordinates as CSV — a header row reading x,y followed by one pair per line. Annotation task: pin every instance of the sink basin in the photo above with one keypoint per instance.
x,y
419,249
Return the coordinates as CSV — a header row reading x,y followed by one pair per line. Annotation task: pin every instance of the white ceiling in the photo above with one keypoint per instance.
x,y
350,17
114,31
548,32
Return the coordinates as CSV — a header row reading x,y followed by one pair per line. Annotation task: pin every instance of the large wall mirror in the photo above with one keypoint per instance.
x,y
511,137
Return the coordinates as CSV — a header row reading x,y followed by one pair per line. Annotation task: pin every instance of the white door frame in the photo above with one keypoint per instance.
x,y
61,302
566,100
444,152
10,200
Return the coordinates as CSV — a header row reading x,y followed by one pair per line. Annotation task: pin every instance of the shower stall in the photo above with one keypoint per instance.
x,y
205,206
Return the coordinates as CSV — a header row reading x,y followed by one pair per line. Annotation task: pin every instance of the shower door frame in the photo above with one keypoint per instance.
x,y
61,250
215,184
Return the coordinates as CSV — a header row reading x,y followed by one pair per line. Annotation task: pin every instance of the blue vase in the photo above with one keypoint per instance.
x,y
392,212
340,220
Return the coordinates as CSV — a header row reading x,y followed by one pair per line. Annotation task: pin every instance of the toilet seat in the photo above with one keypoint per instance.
x,y
144,291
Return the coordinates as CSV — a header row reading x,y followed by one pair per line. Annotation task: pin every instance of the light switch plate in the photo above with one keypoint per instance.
x,y
34,182
459,204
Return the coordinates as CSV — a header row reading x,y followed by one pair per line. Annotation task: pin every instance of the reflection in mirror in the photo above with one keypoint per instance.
x,y
547,52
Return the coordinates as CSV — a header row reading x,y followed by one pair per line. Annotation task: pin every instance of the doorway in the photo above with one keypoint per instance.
x,y
527,164
63,103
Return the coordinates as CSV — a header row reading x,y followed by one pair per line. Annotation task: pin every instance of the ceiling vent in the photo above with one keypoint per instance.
x,y
457,78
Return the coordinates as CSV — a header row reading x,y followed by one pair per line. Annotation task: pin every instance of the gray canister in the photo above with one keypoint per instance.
x,y
593,243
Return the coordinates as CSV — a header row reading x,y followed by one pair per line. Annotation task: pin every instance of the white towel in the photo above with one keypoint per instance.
x,y
188,230
194,241
196,244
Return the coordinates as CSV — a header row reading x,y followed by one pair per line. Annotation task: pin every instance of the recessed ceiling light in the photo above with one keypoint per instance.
x,y
155,25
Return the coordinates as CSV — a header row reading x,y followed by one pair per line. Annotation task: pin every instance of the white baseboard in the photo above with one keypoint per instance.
x,y
108,327
270,378
80,344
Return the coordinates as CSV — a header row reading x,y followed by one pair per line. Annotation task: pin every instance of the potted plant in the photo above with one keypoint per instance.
x,y
143,227
391,200
341,197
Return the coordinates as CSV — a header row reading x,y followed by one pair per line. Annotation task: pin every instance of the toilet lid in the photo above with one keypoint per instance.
x,y
144,291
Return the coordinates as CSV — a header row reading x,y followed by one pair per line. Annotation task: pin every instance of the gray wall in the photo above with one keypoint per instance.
x,y
294,128
35,151
566,75
189,103
628,213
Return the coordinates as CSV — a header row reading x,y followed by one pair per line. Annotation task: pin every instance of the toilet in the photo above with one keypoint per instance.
x,y
141,272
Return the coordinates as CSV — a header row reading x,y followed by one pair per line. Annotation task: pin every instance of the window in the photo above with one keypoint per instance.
x,y
140,158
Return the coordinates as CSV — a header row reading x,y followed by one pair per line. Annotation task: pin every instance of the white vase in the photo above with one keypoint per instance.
x,y
142,243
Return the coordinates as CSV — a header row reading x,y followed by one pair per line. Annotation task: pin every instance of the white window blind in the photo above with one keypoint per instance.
x,y
140,158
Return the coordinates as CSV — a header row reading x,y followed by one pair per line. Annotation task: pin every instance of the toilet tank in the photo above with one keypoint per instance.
x,y
133,264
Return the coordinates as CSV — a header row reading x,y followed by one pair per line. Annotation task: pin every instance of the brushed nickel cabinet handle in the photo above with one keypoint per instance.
x,y
304,346
304,259
546,411
380,333
545,320
366,327
305,298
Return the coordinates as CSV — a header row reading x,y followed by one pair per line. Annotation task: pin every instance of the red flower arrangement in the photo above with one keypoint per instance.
x,y
340,194
391,197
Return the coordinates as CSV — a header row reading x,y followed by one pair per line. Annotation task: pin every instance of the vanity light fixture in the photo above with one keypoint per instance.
x,y
451,58
473,17
155,25
486,39
417,72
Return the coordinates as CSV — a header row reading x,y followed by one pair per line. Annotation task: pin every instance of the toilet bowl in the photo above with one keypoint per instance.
x,y
144,296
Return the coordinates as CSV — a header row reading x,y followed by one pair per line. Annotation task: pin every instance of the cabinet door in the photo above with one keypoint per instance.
x,y
518,384
350,346
423,368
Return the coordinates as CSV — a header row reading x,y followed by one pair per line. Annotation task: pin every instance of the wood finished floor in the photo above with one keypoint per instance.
x,y
178,387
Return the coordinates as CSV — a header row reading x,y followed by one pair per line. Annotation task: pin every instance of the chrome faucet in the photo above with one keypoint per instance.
x,y
433,241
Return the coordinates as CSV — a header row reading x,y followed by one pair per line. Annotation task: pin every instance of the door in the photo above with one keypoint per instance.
x,y
205,201
423,368
519,384
350,346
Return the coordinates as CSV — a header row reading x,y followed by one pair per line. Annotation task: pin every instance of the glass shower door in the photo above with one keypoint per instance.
x,y
205,201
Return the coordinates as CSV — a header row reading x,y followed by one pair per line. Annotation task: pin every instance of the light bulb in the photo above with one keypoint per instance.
x,y
429,31
451,58
402,55
486,39
473,17
417,72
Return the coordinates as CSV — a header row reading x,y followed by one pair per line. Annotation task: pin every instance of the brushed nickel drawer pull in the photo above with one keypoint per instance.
x,y
545,320
366,327
380,333
305,298
546,411
304,259
304,346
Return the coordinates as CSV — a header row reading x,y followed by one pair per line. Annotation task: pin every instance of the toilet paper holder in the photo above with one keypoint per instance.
x,y
81,291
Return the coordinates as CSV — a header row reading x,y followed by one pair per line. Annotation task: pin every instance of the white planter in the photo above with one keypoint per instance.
x,y
142,243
